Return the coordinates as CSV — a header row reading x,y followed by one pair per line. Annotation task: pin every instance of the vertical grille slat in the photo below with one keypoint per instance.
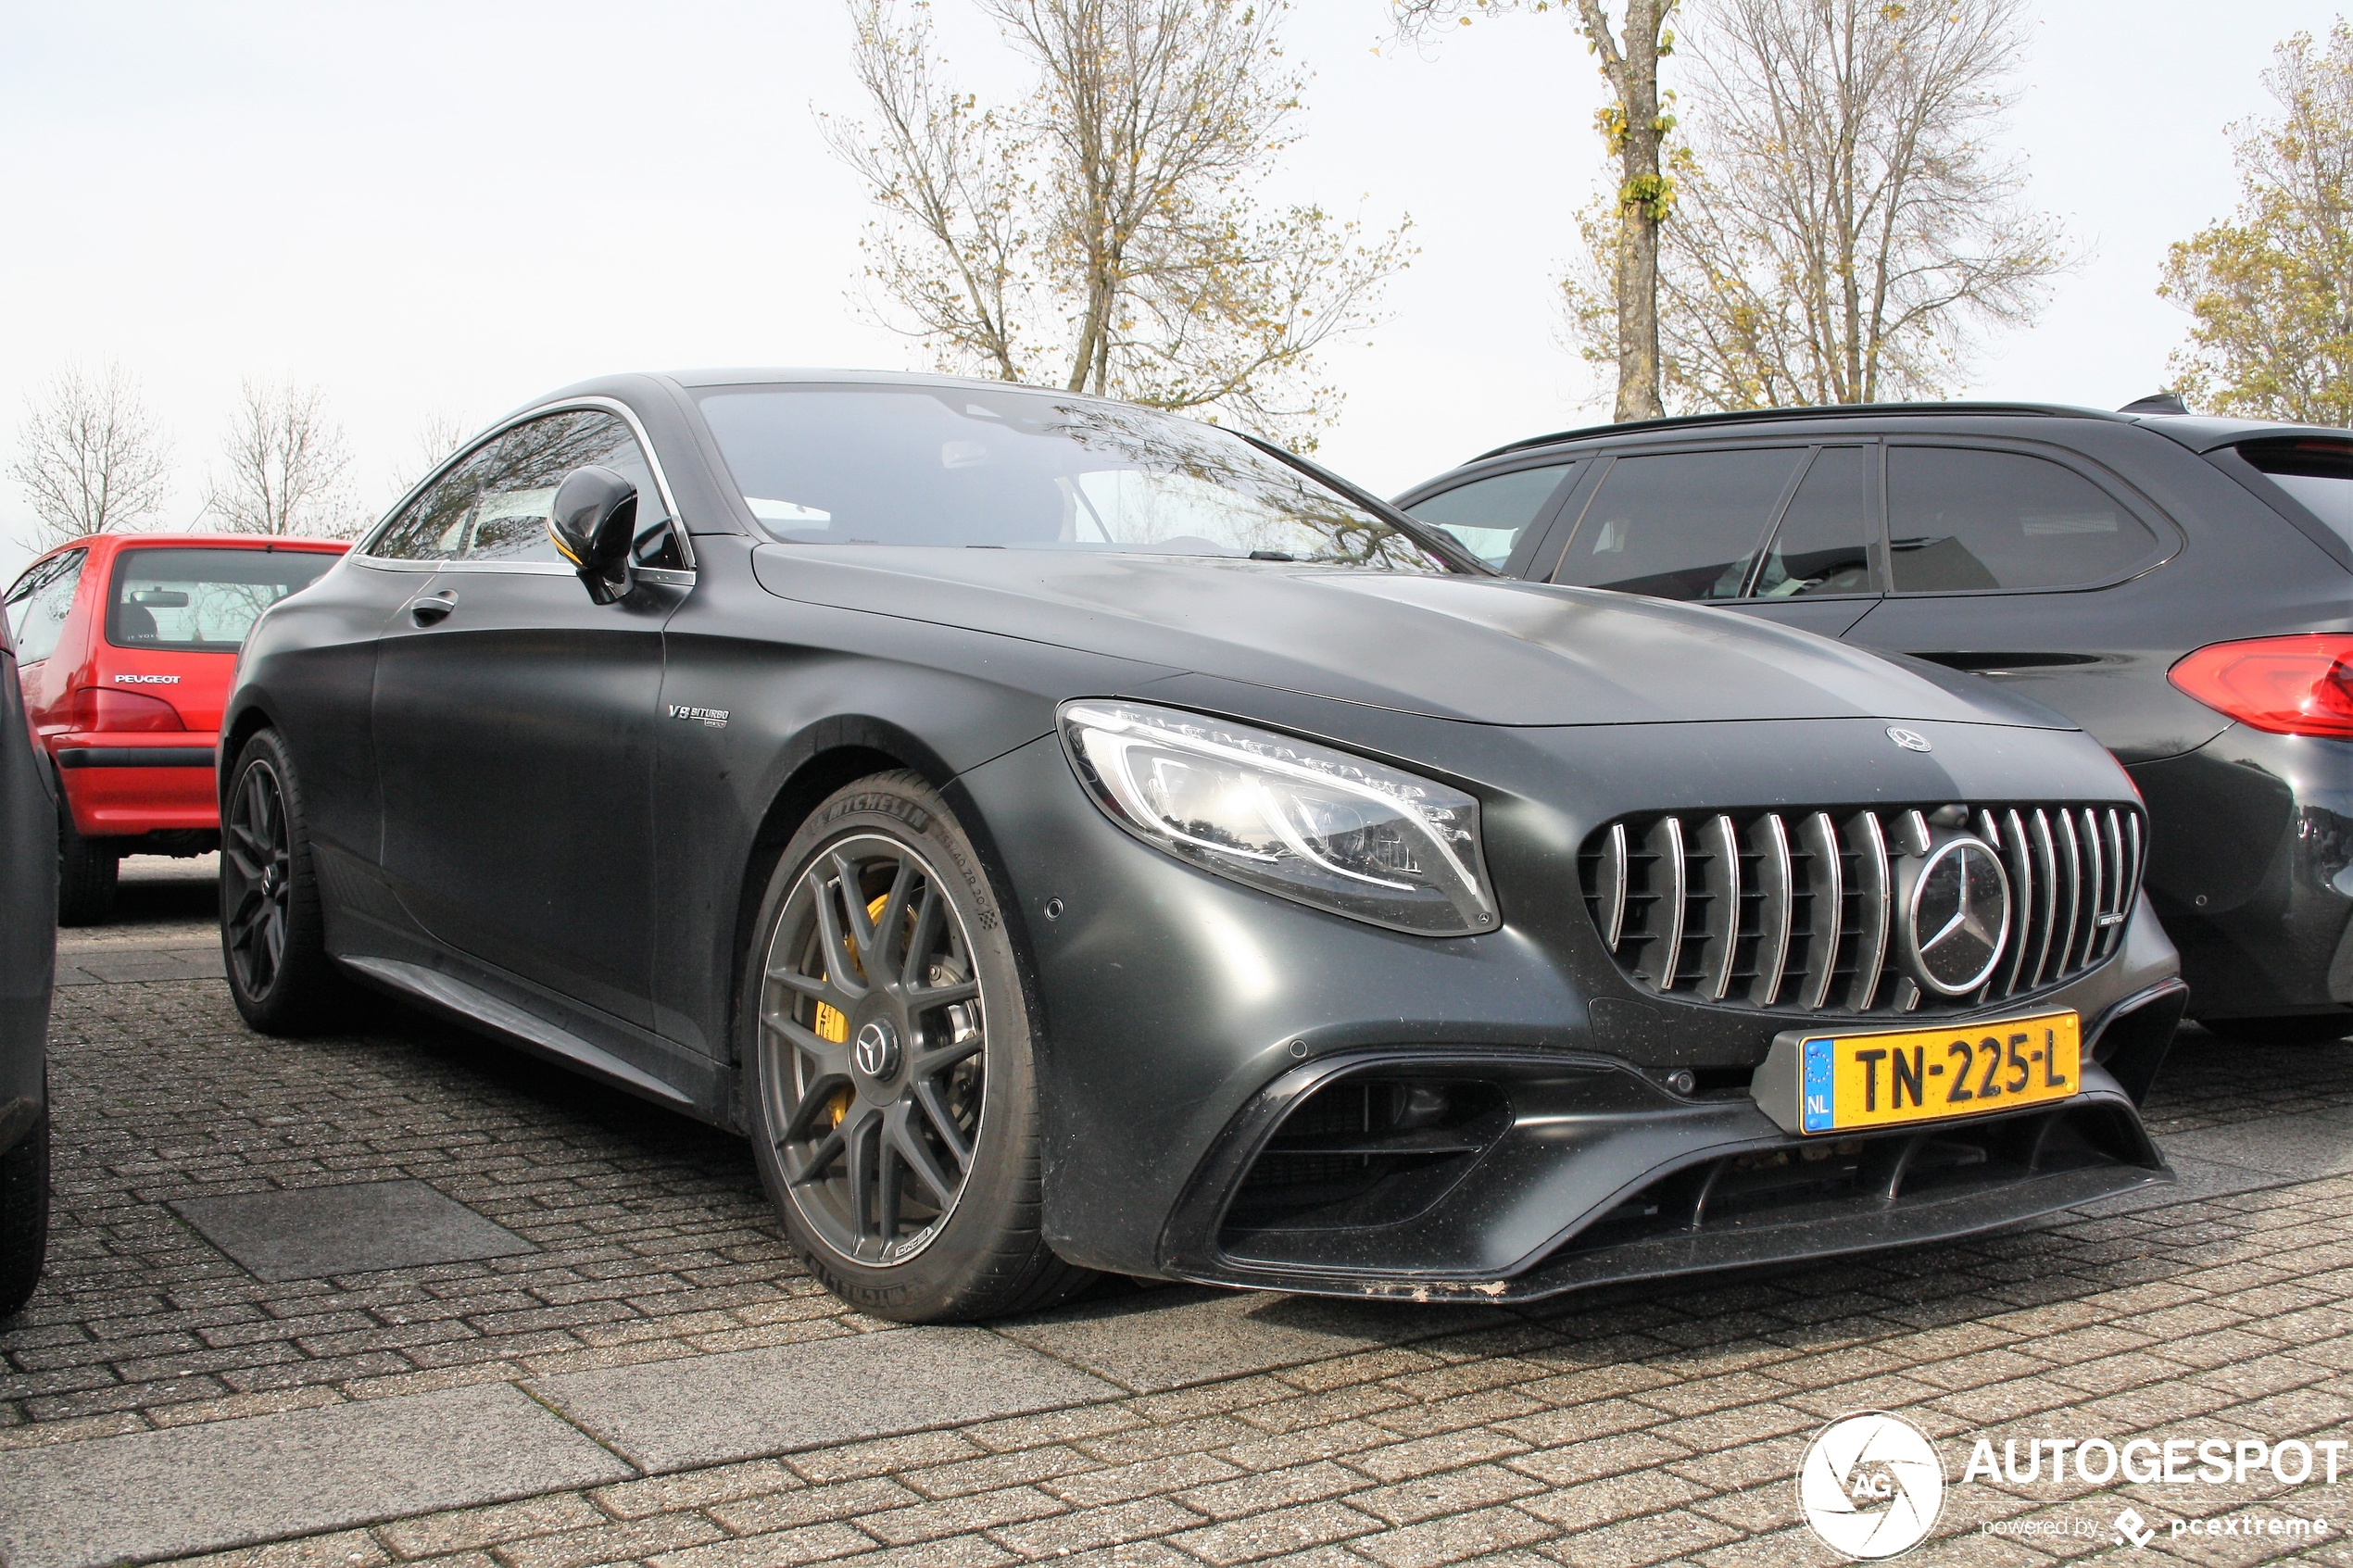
x,y
2046,868
1722,842
1769,838
2070,889
1826,909
1666,842
1613,886
1863,837
2119,910
1796,911
2019,858
2133,872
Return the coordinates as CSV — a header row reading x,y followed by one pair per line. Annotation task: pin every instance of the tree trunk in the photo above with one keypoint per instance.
x,y
1642,195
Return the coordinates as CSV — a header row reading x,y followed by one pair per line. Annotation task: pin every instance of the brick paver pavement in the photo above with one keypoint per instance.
x,y
1659,1425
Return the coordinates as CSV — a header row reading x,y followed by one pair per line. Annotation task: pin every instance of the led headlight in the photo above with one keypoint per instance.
x,y
1310,823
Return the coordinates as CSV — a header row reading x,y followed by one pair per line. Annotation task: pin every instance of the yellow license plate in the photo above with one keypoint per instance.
x,y
1850,1080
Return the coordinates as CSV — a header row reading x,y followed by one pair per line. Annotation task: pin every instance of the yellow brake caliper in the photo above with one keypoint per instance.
x,y
832,1026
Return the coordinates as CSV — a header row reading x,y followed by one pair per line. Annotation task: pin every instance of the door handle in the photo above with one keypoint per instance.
x,y
434,608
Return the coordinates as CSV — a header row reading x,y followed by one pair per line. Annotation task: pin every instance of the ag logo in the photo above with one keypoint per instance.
x,y
1871,1485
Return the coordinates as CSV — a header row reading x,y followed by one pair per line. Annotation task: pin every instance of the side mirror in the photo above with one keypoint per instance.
x,y
592,523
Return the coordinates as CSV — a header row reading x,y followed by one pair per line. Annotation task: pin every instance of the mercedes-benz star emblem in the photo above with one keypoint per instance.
x,y
876,1050
1910,740
1957,916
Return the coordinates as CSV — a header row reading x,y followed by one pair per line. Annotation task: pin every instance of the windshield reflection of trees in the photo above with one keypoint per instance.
x,y
1267,507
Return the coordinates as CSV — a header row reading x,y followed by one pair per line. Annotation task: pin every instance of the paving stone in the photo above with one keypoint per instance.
x,y
1165,1339
230,1483
711,1410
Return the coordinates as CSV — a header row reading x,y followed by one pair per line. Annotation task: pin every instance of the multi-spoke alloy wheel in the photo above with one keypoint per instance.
x,y
890,1084
873,1010
256,873
273,936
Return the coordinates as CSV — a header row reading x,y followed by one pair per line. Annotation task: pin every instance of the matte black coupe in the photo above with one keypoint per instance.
x,y
1064,837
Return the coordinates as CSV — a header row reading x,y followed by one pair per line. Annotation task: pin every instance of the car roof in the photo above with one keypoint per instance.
x,y
105,542
2199,432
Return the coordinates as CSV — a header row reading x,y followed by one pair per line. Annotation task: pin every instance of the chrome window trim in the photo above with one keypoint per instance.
x,y
364,550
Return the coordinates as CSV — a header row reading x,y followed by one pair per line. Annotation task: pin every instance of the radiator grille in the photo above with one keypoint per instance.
x,y
1795,910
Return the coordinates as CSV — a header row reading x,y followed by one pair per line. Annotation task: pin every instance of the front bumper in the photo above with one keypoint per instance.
x,y
1594,1174
1183,1017
2251,869
122,786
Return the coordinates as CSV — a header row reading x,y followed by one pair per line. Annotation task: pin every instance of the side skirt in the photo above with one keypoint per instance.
x,y
474,1006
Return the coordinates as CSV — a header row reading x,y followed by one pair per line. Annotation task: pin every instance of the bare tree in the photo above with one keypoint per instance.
x,y
1104,234
1844,228
285,465
1635,126
89,456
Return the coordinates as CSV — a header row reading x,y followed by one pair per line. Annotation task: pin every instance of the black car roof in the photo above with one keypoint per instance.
x,y
2199,432
1819,411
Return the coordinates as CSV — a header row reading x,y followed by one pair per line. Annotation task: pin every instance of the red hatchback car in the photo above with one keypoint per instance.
x,y
125,644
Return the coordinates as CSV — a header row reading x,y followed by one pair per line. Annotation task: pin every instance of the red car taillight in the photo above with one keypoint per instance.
x,y
2300,685
96,708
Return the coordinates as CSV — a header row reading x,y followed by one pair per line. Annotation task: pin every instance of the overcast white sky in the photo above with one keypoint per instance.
x,y
448,208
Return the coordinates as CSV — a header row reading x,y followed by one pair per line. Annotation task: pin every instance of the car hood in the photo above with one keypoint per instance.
x,y
1486,650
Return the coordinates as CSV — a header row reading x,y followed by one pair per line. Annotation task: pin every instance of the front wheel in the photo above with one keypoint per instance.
x,y
272,936
890,1086
24,1215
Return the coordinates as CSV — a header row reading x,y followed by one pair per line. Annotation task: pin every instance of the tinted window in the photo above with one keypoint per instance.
x,y
1824,543
432,527
2316,473
1959,518
951,466
39,603
1489,515
198,600
518,482
495,504
1681,526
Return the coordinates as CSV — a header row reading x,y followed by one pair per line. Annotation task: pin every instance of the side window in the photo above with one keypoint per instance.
x,y
1682,525
518,482
433,526
1824,542
1961,519
38,605
1489,515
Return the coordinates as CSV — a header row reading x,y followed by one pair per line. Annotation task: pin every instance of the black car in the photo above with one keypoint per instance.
x,y
28,958
1066,837
2181,588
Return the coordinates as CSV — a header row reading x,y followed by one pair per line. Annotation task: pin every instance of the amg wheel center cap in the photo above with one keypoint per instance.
x,y
875,1051
1957,916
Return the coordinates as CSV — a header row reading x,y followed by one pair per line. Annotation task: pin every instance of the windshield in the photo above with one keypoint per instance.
x,y
948,465
2318,473
199,600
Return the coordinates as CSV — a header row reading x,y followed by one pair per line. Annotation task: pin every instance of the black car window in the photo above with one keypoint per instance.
x,y
1017,469
1959,518
1824,543
1489,515
432,526
39,602
2318,474
195,600
518,481
1682,525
